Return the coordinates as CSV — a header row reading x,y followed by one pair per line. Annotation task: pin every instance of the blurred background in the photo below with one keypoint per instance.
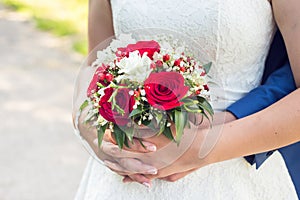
x,y
42,44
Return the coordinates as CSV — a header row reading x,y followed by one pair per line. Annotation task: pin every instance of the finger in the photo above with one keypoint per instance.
x,y
135,166
114,151
177,176
141,146
127,179
108,137
115,167
144,132
146,182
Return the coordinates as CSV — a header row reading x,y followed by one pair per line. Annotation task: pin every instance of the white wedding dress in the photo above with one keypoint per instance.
x,y
237,35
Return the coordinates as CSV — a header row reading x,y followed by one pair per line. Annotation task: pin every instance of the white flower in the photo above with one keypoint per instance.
x,y
122,41
135,106
144,98
135,67
143,92
131,92
150,117
101,92
157,56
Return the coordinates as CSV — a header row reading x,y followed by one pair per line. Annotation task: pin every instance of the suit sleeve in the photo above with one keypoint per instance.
x,y
279,84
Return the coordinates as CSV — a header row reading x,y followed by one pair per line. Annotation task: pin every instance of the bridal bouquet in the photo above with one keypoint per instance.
x,y
145,83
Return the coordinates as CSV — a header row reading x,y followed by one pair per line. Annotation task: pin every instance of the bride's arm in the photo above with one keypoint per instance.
x,y
271,128
100,27
100,23
287,16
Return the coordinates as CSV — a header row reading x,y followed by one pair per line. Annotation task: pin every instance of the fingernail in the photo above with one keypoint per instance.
x,y
152,171
151,148
125,181
95,141
146,184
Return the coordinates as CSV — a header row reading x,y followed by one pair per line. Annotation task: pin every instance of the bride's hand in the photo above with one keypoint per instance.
x,y
176,171
127,162
186,163
124,166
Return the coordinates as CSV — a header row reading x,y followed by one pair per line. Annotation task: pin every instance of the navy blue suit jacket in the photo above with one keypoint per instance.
x,y
277,82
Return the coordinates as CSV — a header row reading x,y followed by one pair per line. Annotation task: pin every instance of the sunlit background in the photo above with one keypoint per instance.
x,y
42,44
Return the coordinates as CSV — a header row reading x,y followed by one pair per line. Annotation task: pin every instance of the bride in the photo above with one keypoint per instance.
x,y
237,34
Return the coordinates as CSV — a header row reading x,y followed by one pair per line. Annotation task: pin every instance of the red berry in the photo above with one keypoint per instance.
x,y
203,73
109,77
159,63
177,62
198,92
101,76
136,93
152,66
206,87
166,57
182,69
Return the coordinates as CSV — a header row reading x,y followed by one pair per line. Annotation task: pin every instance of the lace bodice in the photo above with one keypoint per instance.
x,y
236,35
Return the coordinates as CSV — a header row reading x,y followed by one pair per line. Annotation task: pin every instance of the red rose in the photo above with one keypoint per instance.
x,y
100,76
164,90
123,100
142,46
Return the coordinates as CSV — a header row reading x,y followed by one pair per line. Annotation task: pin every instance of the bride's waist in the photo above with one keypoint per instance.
x,y
221,98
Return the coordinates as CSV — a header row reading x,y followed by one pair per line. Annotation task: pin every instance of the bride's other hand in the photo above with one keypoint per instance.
x,y
127,162
122,162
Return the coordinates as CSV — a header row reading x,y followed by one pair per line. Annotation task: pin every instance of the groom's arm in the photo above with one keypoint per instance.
x,y
279,84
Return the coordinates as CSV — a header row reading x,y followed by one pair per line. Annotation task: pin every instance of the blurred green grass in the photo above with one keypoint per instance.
x,y
64,18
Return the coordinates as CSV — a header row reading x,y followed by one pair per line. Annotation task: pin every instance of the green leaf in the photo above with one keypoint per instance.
x,y
141,142
146,122
203,104
188,101
136,112
100,133
129,133
119,136
84,105
168,133
159,116
161,120
118,108
180,122
100,85
209,119
126,143
207,67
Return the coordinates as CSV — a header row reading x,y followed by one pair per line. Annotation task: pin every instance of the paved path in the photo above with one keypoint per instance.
x,y
40,157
